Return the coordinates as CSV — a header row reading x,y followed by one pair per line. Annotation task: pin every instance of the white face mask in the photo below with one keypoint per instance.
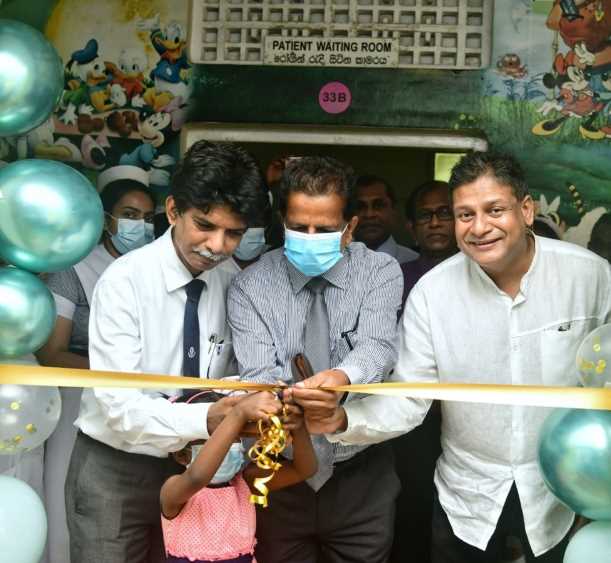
x,y
132,234
230,466
252,244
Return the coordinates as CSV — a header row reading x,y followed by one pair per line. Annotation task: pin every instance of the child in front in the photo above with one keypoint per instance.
x,y
206,513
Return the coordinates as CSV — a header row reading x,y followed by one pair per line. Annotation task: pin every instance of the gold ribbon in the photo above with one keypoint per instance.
x,y
519,395
271,442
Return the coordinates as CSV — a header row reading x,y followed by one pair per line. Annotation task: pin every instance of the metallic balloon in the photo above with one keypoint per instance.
x,y
31,78
594,358
23,522
591,544
51,216
27,312
28,416
575,460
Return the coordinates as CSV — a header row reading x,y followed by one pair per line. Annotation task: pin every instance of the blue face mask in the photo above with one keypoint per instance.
x,y
132,234
230,466
252,244
313,255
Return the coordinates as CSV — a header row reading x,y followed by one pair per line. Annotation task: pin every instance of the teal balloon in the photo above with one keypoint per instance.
x,y
23,522
575,460
27,312
591,544
51,216
31,78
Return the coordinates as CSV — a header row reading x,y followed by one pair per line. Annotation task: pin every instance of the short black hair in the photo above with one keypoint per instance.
x,y
418,192
503,167
114,191
600,239
542,228
369,179
213,174
319,175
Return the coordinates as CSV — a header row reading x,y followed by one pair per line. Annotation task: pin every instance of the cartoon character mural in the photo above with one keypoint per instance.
x,y
126,89
170,75
549,212
580,77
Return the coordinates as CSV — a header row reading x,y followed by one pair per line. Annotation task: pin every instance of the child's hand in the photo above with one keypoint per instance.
x,y
293,419
257,406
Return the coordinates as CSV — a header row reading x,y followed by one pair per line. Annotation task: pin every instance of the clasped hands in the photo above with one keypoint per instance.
x,y
305,401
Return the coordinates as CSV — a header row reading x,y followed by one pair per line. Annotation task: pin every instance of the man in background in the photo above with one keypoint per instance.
x,y
431,222
376,211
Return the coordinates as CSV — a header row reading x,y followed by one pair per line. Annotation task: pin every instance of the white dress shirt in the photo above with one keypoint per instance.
x,y
136,325
459,327
401,254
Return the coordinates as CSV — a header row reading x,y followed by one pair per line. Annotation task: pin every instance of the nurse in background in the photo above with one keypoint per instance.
x,y
129,209
255,242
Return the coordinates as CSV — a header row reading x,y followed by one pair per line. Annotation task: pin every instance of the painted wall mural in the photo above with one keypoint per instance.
x,y
546,98
548,101
126,91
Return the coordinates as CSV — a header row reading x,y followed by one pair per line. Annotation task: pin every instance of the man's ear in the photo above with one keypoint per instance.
x,y
170,210
349,232
528,210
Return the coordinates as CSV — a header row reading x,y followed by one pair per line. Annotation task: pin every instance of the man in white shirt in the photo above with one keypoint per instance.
x,y
512,308
159,309
376,212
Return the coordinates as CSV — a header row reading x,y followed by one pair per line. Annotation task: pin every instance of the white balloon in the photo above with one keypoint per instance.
x,y
28,416
594,358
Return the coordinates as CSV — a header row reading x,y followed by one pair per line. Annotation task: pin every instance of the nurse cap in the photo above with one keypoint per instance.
x,y
122,172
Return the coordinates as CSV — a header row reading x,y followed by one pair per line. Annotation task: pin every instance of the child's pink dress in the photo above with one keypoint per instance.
x,y
217,524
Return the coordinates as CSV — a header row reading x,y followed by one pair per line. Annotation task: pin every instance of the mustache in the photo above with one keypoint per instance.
x,y
212,256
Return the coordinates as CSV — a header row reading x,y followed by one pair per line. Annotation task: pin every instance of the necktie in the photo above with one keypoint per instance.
x,y
190,347
317,350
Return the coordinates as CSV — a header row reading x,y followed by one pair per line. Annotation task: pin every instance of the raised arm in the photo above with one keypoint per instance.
x,y
115,343
252,342
375,351
178,489
301,467
377,418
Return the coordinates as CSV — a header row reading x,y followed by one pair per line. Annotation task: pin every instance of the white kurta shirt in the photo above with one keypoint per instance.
x,y
136,325
458,327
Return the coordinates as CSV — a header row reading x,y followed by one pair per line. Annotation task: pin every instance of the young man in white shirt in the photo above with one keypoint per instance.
x,y
512,308
159,309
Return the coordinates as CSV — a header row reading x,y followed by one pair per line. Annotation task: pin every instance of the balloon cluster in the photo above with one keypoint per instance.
x,y
575,455
50,218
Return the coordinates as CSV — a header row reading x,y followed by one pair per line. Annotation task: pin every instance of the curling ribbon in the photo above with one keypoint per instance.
x,y
271,442
517,395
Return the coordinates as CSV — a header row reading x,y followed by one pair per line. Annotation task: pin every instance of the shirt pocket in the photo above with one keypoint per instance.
x,y
222,361
344,343
559,345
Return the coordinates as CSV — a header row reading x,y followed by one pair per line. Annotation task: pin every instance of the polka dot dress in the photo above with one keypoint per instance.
x,y
215,524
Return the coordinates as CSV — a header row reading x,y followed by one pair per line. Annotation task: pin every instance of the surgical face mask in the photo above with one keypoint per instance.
x,y
132,234
313,255
230,466
252,244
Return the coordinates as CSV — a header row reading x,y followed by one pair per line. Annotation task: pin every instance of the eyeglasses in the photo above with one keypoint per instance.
x,y
424,216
